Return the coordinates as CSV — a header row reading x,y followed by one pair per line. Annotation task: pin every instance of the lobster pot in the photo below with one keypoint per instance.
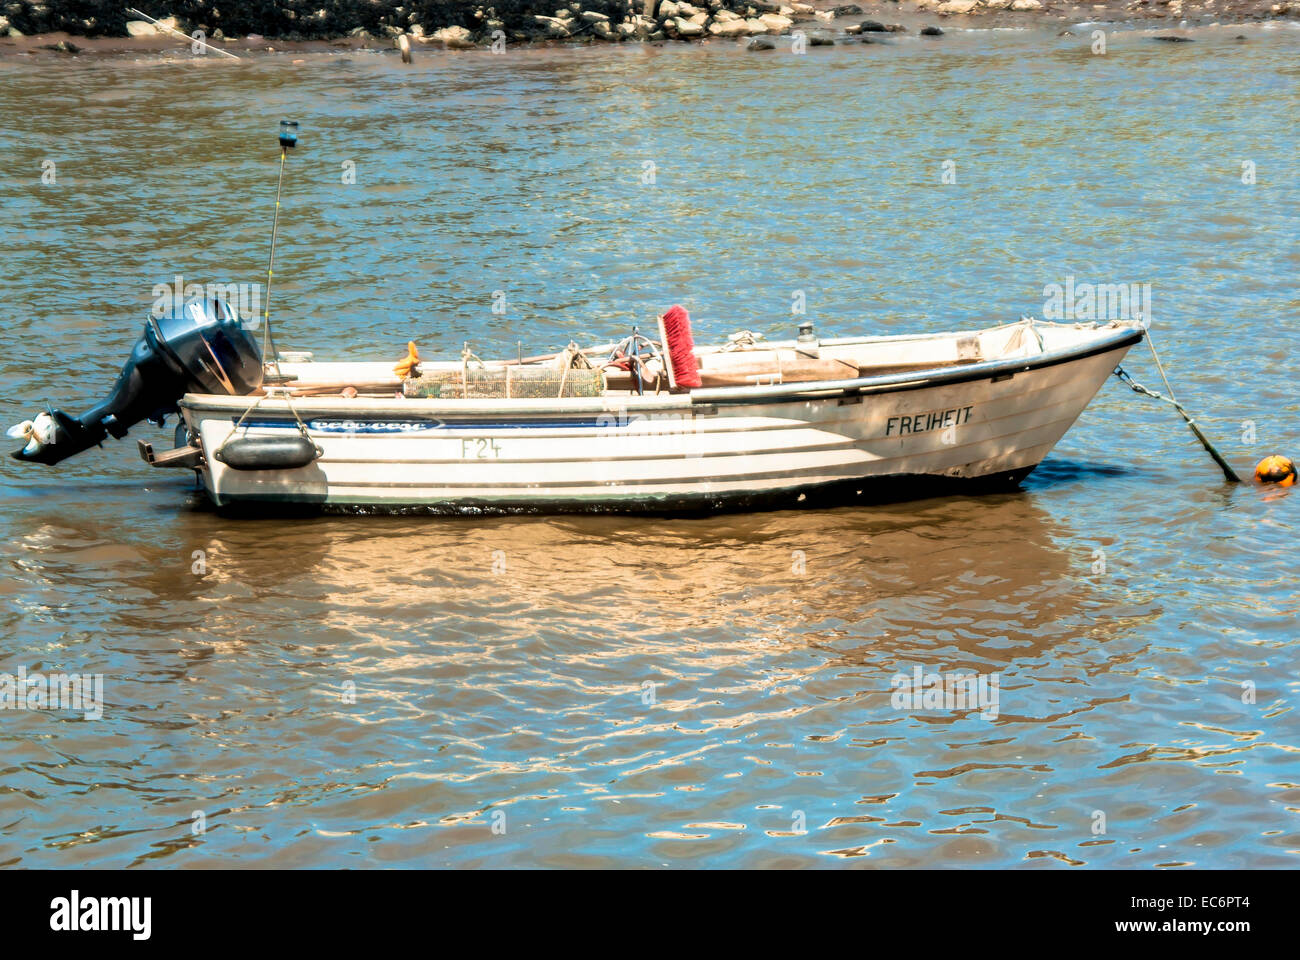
x,y
511,382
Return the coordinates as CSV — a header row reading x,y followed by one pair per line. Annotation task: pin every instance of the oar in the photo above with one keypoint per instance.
x,y
543,357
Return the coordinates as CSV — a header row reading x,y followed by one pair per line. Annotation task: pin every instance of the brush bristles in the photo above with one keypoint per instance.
x,y
681,347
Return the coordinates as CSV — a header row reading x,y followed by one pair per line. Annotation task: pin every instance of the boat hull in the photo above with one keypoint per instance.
x,y
862,441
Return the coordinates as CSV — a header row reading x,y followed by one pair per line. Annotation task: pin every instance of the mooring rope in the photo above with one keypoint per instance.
x,y
1138,388
1160,366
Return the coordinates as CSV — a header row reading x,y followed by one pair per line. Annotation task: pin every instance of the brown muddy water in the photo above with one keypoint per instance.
x,y
684,692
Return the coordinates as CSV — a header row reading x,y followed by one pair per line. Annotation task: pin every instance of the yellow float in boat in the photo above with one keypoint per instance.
x,y
405,366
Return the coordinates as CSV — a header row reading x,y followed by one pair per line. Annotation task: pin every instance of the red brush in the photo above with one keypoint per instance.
x,y
675,326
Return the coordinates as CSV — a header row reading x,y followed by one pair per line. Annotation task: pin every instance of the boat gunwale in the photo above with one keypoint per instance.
x,y
1119,335
1124,335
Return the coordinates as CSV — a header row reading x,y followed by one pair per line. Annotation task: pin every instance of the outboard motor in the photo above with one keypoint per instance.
x,y
199,347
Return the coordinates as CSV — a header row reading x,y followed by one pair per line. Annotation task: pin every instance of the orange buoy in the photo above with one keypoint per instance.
x,y
407,366
1276,469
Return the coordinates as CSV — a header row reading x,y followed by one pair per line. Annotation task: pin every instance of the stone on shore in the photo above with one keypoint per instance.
x,y
453,38
671,11
775,23
1026,5
729,28
142,28
688,28
555,27
957,7
592,16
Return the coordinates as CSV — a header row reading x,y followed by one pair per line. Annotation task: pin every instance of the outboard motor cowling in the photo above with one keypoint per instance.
x,y
199,347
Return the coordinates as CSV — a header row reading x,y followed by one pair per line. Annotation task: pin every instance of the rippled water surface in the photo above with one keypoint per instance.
x,y
642,692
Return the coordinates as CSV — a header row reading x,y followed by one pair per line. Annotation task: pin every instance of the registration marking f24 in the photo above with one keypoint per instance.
x,y
479,448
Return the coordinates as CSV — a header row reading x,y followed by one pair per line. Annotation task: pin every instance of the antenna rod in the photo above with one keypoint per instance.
x,y
288,139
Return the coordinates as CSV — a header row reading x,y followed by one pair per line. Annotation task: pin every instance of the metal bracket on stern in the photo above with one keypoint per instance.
x,y
187,456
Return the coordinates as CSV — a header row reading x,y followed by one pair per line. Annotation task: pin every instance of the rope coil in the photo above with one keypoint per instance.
x,y
741,340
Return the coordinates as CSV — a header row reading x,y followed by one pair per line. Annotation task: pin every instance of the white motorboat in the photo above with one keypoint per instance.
x,y
786,424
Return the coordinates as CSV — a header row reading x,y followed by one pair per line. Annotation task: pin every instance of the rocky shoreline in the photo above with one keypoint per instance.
x,y
95,26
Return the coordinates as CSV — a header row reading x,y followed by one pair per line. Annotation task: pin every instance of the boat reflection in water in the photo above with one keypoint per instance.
x,y
866,587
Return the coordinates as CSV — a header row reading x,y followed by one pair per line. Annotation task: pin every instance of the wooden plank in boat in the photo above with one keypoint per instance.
x,y
488,383
743,368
